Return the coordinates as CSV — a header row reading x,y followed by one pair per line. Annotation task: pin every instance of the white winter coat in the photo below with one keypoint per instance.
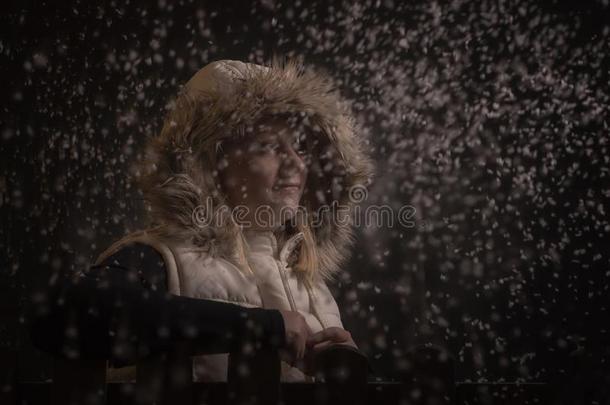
x,y
272,285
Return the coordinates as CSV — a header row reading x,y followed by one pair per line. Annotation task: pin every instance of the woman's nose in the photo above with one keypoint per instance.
x,y
292,158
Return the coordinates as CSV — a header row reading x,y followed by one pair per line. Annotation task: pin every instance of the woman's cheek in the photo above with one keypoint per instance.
x,y
260,179
266,169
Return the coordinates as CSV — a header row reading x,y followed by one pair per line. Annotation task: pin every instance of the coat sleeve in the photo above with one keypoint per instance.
x,y
120,310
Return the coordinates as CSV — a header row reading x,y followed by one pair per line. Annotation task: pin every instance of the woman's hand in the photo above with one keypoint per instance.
x,y
329,336
321,340
297,334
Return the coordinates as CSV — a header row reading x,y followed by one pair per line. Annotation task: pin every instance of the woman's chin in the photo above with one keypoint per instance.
x,y
287,201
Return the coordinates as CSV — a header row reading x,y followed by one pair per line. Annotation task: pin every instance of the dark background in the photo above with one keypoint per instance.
x,y
490,118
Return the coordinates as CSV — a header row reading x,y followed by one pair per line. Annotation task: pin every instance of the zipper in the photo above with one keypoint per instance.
x,y
282,269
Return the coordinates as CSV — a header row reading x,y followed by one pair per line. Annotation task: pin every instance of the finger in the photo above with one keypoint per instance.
x,y
341,335
318,337
333,334
295,350
309,331
324,345
305,337
321,346
302,347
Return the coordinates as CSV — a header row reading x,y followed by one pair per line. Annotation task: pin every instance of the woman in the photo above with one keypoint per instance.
x,y
239,184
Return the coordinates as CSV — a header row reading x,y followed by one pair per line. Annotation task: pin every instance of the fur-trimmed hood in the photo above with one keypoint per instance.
x,y
178,175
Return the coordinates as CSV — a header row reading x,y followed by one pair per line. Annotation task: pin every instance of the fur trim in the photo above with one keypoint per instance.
x,y
178,173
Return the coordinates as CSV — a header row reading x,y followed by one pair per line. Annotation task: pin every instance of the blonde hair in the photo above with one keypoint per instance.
x,y
308,254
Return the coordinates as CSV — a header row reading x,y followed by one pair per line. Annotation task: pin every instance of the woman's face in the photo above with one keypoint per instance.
x,y
265,169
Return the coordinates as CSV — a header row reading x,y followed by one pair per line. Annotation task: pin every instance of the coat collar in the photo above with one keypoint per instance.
x,y
265,242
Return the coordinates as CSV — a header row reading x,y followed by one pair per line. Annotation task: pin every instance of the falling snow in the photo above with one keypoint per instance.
x,y
491,119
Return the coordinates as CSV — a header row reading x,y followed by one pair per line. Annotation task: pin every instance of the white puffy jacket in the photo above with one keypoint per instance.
x,y
273,285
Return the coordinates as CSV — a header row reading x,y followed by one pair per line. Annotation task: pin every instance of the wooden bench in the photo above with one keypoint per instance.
x,y
341,378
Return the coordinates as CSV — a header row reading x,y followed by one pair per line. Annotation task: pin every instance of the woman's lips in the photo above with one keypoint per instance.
x,y
288,187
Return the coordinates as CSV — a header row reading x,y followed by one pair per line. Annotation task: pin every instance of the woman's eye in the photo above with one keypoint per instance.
x,y
265,146
299,147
